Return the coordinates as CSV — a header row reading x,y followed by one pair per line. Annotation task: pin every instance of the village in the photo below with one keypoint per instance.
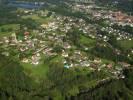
x,y
66,49
51,41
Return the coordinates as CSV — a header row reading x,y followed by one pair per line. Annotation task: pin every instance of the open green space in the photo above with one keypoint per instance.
x,y
7,29
12,26
35,71
126,44
40,70
57,59
37,18
87,41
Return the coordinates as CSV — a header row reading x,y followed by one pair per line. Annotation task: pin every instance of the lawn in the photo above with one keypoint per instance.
x,y
35,71
7,26
126,44
106,61
87,41
2,34
38,19
57,59
8,29
40,70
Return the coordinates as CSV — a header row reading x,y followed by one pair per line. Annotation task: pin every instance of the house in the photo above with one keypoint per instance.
x,y
110,65
97,60
67,46
64,54
124,64
132,51
35,60
66,66
13,38
25,60
5,53
26,33
85,63
6,40
77,52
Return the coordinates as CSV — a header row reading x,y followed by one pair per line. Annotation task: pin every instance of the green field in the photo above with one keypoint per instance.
x,y
126,44
7,29
38,19
87,41
13,26
35,71
40,70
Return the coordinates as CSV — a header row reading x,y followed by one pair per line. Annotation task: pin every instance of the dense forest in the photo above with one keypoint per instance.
x,y
15,84
113,90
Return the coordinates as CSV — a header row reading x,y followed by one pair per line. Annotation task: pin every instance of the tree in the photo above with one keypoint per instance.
x,y
64,79
12,78
3,30
74,35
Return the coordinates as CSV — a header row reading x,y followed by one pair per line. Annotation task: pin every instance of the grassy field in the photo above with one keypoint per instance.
x,y
8,29
38,19
106,61
13,26
40,70
35,71
126,44
87,41
57,59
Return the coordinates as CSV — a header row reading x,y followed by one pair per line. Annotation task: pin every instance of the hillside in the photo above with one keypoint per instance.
x,y
66,50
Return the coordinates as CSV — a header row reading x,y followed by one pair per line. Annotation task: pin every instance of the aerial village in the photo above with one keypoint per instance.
x,y
51,40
